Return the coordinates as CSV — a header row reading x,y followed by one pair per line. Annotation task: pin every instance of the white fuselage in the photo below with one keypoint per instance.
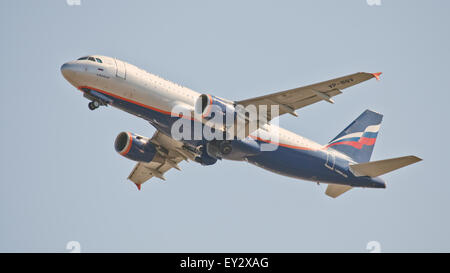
x,y
136,85
108,81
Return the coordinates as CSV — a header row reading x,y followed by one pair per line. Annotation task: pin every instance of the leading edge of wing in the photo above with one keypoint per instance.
x,y
331,84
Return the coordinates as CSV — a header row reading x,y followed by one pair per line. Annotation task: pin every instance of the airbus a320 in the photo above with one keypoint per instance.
x,y
343,163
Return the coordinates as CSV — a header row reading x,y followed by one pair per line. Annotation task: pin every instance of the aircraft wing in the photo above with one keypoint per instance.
x,y
293,99
169,154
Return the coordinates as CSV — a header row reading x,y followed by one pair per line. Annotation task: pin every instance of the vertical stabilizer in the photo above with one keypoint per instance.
x,y
358,139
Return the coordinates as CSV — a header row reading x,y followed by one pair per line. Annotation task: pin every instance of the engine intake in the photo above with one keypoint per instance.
x,y
236,121
135,147
205,103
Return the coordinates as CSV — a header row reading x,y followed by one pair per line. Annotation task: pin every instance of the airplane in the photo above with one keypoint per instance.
x,y
343,163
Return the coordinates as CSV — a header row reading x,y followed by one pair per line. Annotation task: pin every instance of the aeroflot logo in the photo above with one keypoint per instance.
x,y
358,139
228,123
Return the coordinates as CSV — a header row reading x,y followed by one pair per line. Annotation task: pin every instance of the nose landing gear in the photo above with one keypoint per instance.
x,y
93,105
97,99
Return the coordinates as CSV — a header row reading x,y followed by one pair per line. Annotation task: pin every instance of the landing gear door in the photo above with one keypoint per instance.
x,y
121,71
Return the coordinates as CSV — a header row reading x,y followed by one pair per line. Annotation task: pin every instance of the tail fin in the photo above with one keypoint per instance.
x,y
358,139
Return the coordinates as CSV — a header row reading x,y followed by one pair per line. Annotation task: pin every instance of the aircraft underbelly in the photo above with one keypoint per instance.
x,y
301,164
312,165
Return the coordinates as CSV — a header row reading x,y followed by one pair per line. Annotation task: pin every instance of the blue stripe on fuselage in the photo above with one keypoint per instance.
x,y
313,165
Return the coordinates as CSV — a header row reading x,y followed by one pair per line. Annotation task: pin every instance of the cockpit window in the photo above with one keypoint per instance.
x,y
90,58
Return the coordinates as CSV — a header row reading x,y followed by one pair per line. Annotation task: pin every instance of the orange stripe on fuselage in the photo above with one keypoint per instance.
x,y
135,102
284,145
191,118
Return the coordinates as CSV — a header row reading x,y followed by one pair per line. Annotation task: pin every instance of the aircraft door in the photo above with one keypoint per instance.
x,y
121,71
331,160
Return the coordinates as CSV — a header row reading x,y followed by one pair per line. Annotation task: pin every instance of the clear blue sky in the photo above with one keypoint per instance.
x,y
61,179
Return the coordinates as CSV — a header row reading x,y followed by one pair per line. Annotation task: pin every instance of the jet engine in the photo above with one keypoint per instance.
x,y
207,104
233,120
135,147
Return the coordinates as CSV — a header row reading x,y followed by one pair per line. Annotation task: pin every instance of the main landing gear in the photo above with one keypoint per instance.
x,y
93,105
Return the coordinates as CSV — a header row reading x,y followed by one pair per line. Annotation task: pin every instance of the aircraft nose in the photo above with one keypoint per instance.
x,y
67,70
71,71
64,67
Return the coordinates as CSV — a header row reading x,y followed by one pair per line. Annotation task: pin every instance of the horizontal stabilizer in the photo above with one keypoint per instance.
x,y
377,168
334,190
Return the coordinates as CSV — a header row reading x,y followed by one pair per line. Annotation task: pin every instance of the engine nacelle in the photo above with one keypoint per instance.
x,y
207,104
236,120
135,147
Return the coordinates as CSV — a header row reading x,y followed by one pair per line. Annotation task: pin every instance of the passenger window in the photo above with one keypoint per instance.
x,y
98,60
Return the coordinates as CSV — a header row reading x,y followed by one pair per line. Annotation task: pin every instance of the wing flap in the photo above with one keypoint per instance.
x,y
170,153
140,173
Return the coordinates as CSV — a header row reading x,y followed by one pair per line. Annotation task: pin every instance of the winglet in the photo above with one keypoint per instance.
x,y
377,75
138,186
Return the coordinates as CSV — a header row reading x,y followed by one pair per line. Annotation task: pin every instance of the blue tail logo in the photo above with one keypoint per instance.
x,y
358,139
